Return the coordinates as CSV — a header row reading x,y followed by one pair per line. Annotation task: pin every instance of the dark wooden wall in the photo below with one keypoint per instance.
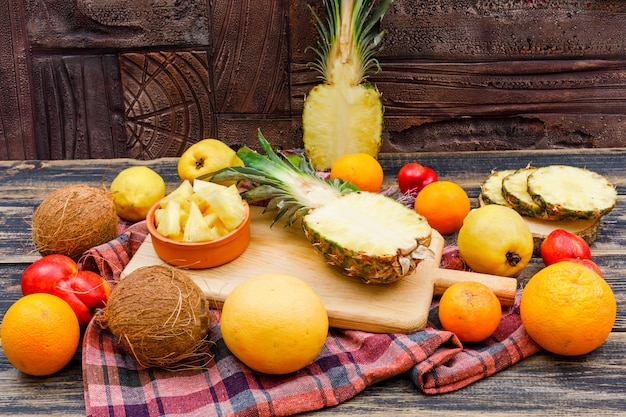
x,y
147,78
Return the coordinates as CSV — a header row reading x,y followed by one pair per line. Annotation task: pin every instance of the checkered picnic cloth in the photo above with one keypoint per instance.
x,y
434,359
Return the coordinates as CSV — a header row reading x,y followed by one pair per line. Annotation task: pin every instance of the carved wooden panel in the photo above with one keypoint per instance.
x,y
78,107
116,24
147,78
168,102
495,74
17,140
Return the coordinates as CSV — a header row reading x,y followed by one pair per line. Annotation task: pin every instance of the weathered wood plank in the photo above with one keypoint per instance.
x,y
487,31
544,384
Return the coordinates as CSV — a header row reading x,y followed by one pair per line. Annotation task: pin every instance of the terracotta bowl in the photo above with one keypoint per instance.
x,y
200,255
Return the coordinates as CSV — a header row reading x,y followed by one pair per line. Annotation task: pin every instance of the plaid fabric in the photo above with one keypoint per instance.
x,y
350,361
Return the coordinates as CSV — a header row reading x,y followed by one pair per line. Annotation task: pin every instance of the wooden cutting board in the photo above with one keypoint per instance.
x,y
400,307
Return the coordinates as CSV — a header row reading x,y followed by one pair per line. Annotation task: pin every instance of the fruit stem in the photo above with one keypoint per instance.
x,y
513,258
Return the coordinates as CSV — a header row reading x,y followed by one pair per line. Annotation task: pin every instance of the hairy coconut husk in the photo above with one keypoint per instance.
x,y
161,317
74,219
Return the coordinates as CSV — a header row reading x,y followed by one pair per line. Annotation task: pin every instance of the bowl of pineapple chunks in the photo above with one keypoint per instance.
x,y
200,226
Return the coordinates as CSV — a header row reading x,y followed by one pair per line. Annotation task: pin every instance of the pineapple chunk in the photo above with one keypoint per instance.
x,y
192,216
220,228
211,219
207,186
200,201
180,194
228,206
196,229
169,220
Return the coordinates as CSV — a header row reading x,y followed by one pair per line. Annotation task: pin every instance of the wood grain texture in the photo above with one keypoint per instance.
x,y
493,75
250,56
456,76
17,139
543,384
115,24
78,107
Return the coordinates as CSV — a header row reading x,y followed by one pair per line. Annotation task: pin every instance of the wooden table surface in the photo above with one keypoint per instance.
x,y
544,384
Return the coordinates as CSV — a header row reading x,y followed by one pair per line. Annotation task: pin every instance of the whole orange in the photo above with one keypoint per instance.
x,y
470,310
568,309
40,334
274,323
360,169
444,204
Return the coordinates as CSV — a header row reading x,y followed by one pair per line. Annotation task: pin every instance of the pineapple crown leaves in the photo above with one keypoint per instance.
x,y
349,37
291,189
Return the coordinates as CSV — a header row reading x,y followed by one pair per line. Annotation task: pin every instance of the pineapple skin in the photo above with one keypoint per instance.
x,y
372,264
340,120
369,269
491,190
515,192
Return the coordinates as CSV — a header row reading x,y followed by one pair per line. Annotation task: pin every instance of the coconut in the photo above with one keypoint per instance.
x,y
73,219
161,317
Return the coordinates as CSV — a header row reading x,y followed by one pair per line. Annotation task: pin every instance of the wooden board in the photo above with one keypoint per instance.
x,y
401,307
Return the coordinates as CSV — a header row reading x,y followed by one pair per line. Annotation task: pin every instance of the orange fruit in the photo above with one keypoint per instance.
x,y
40,334
274,323
444,204
470,310
360,169
568,309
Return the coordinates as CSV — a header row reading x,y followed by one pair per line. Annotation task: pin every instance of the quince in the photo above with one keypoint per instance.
x,y
495,240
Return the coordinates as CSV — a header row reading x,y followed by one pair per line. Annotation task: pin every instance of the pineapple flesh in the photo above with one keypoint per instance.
x,y
344,114
366,235
567,192
554,192
491,190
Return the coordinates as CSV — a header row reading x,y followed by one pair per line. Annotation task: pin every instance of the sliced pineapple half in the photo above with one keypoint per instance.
x,y
515,192
344,114
367,235
568,192
341,120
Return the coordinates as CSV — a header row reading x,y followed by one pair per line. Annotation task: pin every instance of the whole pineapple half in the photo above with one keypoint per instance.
x,y
367,235
344,114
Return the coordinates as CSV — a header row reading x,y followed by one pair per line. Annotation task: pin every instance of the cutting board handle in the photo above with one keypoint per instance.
x,y
503,287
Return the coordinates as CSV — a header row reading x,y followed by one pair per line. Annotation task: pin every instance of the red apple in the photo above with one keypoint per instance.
x,y
413,177
42,275
561,244
586,262
84,291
